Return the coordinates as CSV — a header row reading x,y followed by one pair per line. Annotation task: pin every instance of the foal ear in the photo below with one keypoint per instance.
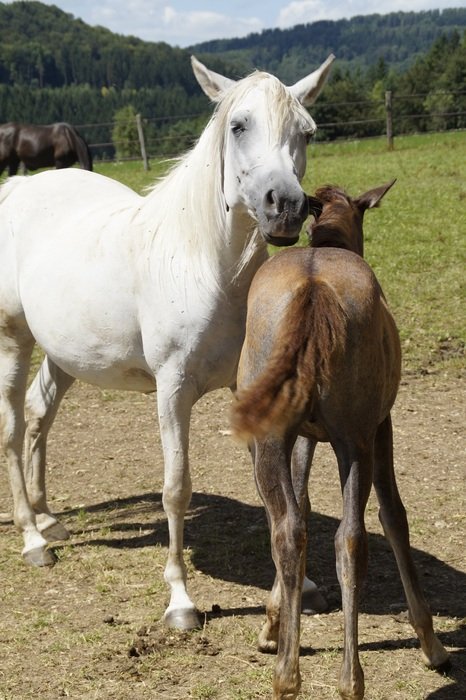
x,y
372,198
213,84
308,89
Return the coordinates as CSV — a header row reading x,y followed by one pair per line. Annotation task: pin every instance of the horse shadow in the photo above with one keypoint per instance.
x,y
229,540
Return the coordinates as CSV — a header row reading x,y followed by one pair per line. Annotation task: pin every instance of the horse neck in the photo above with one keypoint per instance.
x,y
335,232
190,220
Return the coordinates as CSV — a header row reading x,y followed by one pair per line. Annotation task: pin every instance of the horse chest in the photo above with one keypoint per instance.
x,y
206,342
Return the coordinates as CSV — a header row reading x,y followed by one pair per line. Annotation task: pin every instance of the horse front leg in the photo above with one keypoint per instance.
x,y
174,403
42,401
392,515
355,467
288,540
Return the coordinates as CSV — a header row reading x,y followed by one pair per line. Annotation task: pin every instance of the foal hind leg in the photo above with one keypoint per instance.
x,y
15,353
392,515
312,600
288,538
42,401
355,467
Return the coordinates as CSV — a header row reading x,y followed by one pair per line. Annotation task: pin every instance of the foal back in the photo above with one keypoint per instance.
x,y
330,342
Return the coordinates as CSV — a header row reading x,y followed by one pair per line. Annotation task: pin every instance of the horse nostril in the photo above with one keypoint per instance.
x,y
274,201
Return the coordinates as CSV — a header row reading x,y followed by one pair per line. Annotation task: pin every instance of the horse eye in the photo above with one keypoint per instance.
x,y
238,127
308,136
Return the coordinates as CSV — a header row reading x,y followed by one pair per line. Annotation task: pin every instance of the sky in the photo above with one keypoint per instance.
x,y
187,22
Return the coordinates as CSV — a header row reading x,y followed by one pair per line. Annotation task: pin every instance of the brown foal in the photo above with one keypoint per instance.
x,y
321,362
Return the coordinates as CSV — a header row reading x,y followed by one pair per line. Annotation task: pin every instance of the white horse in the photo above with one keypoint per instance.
x,y
145,292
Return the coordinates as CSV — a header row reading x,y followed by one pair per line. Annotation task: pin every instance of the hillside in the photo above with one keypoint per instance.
x,y
54,67
42,46
398,39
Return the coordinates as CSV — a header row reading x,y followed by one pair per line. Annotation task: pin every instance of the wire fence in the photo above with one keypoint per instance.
x,y
148,137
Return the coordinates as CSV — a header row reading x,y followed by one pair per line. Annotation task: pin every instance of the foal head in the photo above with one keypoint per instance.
x,y
338,217
263,130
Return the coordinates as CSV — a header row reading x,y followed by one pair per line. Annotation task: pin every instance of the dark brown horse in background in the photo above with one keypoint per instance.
x,y
42,146
321,361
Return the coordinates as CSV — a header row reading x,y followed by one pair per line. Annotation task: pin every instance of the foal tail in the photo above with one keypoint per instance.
x,y
311,332
83,152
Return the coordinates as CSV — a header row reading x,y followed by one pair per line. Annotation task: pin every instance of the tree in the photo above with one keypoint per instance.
x,y
125,133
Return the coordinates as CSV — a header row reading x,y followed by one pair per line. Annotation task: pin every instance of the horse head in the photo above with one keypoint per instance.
x,y
265,129
338,217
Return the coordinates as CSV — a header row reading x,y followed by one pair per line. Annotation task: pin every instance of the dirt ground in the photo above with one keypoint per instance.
x,y
89,627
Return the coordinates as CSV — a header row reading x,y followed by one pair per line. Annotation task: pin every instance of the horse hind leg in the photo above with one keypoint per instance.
x,y
288,529
312,600
355,467
16,345
42,401
392,515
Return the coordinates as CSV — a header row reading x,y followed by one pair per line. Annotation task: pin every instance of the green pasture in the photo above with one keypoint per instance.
x,y
415,241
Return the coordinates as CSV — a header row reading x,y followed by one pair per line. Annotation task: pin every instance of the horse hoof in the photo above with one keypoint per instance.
x,y
267,646
313,602
438,658
6,518
40,557
55,533
184,619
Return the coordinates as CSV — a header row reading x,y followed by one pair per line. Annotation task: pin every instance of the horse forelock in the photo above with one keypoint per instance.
x,y
282,108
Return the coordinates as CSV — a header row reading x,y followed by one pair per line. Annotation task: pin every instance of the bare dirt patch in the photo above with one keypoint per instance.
x,y
89,628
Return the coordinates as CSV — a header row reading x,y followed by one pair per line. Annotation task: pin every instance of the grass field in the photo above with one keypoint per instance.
x,y
415,243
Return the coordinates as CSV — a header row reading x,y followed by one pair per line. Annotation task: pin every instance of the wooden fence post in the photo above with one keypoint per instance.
x,y
142,142
389,119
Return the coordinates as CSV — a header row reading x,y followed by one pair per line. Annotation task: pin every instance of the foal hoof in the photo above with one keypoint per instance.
x,y
438,658
55,533
313,602
40,557
184,619
267,646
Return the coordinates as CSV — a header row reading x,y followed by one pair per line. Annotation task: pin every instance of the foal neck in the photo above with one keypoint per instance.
x,y
340,223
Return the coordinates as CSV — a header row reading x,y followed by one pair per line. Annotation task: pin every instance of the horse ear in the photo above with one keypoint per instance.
x,y
213,84
372,198
308,89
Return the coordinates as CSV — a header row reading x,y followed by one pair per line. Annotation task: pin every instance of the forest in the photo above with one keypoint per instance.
x,y
54,67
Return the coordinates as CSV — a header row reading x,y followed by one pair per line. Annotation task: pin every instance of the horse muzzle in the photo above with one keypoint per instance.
x,y
281,217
